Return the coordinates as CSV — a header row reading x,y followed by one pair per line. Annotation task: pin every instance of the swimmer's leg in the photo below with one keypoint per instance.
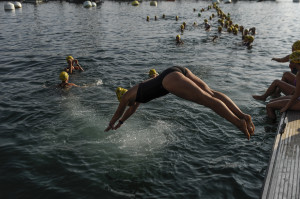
x,y
225,99
286,88
183,87
289,78
279,104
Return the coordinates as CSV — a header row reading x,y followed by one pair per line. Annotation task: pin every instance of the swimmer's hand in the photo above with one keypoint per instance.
x,y
118,125
110,127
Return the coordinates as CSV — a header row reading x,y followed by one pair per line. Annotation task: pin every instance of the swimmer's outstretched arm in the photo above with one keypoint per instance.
x,y
130,111
119,112
284,59
72,84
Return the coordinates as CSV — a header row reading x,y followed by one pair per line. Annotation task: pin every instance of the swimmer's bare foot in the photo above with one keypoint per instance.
x,y
259,97
243,128
250,125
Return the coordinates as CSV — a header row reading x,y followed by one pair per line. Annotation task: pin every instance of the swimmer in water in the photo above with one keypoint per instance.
x,y
153,73
73,64
178,40
295,46
183,83
248,40
64,77
206,26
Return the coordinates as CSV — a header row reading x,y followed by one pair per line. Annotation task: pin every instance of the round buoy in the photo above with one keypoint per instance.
x,y
87,4
94,4
153,3
9,6
135,3
17,4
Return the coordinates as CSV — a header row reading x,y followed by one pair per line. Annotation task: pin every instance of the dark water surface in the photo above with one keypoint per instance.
x,y
52,142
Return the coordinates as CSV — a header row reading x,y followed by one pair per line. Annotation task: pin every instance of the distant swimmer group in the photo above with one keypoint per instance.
x,y
73,65
181,82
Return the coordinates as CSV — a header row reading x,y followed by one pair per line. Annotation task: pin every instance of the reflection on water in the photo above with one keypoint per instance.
x,y
53,142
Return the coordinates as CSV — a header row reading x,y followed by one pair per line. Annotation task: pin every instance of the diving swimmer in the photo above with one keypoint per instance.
x,y
183,83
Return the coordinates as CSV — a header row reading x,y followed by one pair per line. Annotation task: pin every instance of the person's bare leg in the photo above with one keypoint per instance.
x,y
177,84
281,98
275,105
279,104
224,98
289,78
286,88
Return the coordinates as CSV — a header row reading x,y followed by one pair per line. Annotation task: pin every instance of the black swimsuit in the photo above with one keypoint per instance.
x,y
153,88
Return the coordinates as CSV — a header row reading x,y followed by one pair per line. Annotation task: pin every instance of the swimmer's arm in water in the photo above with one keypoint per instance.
x,y
284,59
71,84
130,111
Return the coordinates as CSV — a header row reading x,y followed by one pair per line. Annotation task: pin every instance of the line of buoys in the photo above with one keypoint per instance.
x,y
17,4
87,4
9,6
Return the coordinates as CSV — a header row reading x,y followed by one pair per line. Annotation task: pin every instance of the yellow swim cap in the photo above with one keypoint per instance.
x,y
152,72
63,76
69,57
296,45
120,92
250,38
295,57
